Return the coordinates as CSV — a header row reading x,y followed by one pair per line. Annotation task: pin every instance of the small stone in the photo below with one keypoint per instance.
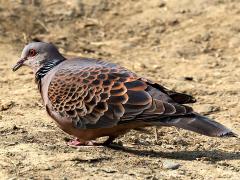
x,y
15,127
109,170
13,178
139,66
141,142
48,167
206,37
173,22
188,78
7,106
161,4
208,109
157,67
203,159
170,165
12,143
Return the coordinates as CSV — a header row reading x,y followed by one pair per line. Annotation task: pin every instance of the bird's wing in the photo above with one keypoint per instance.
x,y
104,95
180,98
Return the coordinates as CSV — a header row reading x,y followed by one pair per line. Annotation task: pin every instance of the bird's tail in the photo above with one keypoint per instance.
x,y
199,124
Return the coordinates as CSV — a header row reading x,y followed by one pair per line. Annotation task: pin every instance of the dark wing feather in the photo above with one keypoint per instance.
x,y
180,98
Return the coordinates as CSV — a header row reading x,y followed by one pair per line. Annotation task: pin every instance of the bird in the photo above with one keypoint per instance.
x,y
91,98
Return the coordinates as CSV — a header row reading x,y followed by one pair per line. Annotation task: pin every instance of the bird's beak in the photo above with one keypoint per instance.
x,y
19,64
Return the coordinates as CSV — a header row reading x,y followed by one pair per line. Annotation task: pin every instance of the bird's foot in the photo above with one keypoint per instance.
x,y
80,143
110,144
156,135
109,141
76,143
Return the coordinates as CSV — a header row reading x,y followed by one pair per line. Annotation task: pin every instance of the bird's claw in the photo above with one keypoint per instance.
x,y
77,143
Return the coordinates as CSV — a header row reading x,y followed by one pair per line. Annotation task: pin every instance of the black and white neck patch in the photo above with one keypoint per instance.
x,y
46,68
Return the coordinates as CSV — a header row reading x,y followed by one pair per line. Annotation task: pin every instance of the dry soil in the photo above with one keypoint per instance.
x,y
188,46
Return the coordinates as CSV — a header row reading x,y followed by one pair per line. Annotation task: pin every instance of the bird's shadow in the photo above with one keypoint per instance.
x,y
214,155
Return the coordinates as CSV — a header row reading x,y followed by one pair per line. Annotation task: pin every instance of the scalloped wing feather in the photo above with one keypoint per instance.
x,y
96,94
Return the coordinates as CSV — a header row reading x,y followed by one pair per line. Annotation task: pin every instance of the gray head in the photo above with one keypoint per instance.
x,y
36,54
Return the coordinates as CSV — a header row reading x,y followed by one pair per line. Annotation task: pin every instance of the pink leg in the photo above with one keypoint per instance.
x,y
76,143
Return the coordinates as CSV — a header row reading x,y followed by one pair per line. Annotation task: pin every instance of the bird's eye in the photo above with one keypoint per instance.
x,y
32,52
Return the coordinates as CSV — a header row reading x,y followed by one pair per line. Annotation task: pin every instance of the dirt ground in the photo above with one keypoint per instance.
x,y
188,46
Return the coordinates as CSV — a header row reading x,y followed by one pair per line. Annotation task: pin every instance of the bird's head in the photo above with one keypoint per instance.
x,y
36,54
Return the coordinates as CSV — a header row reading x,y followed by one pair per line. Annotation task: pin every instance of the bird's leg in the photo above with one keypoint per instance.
x,y
109,141
77,142
156,134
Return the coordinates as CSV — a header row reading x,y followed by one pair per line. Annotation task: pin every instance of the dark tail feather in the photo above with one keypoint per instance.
x,y
200,124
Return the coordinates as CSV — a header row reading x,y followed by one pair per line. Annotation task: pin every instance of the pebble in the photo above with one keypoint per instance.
x,y
170,165
173,22
188,78
208,109
13,178
15,127
109,170
139,66
142,142
7,105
